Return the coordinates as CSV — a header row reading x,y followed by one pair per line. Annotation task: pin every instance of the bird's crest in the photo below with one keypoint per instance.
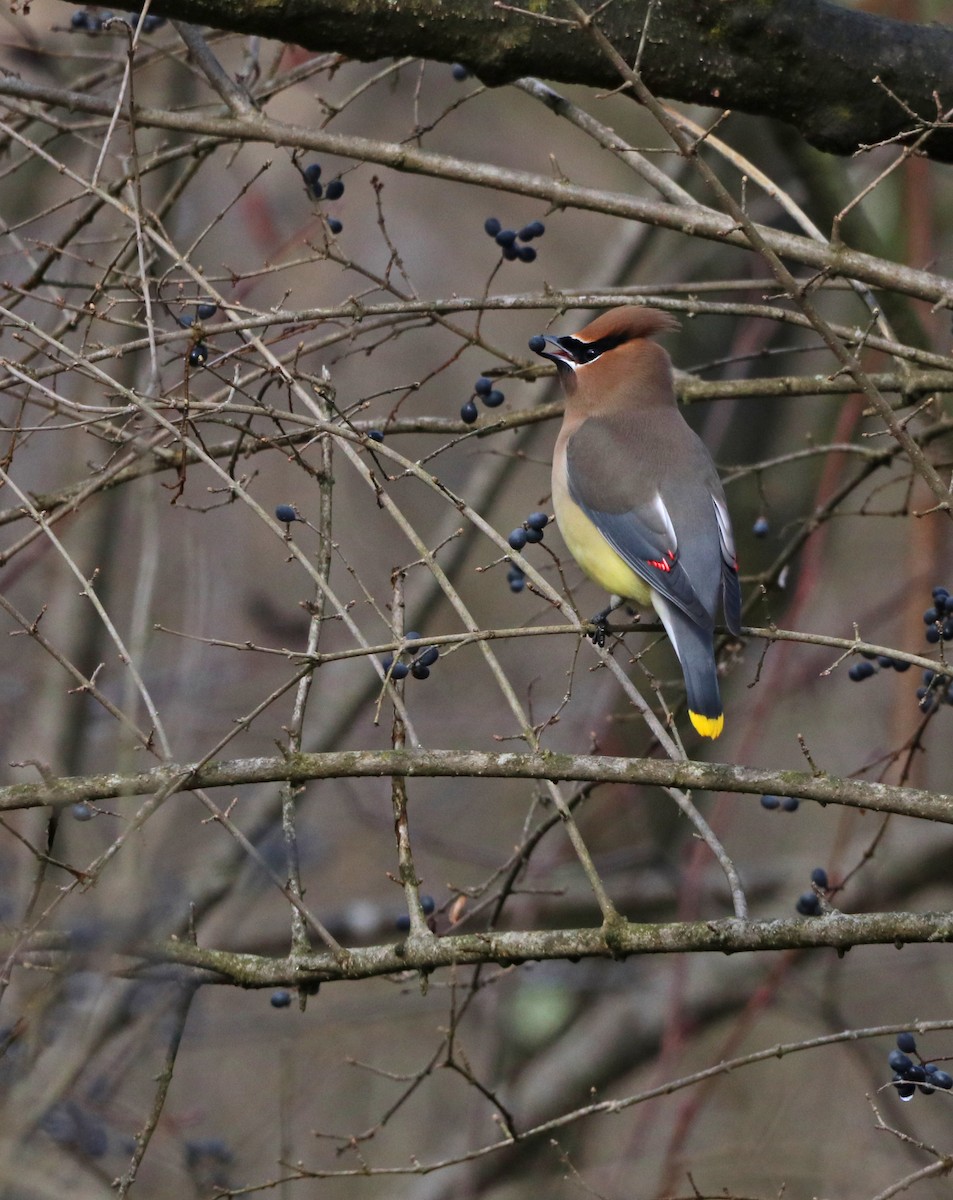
x,y
627,324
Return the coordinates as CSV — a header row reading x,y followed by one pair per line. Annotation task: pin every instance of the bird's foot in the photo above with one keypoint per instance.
x,y
599,626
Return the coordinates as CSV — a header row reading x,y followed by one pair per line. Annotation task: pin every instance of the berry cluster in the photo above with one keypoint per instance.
x,y
483,390
94,22
507,239
530,532
786,803
332,190
908,1076
427,903
809,903
864,670
198,354
937,686
421,660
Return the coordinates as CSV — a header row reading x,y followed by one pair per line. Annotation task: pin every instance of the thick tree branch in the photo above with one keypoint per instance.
x,y
811,63
303,768
838,930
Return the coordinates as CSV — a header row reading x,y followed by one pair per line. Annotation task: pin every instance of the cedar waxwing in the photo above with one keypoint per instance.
x,y
636,494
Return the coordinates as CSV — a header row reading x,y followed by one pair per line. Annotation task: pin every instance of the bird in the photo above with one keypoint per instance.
x,y
637,498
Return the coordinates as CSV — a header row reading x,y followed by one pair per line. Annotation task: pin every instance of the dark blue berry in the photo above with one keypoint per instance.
x,y
334,225
198,355
939,592
907,1043
808,904
927,700
494,398
941,1080
517,584
861,670
492,226
948,630
898,1061
537,520
419,672
506,237
413,636
933,635
80,19
929,616
286,513
761,528
81,811
517,539
459,72
790,804
914,1073
537,343
901,664
428,904
400,671
510,253
515,572
469,413
205,312
375,435
403,923
483,386
534,229
770,802
819,876
316,189
526,254
334,189
428,657
905,1091
534,535
281,998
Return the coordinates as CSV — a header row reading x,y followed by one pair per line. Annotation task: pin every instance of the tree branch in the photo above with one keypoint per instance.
x,y
304,768
811,63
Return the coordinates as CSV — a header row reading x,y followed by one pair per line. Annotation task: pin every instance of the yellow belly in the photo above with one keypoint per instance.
x,y
594,554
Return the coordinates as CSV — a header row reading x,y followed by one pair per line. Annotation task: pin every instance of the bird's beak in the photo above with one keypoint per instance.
x,y
549,347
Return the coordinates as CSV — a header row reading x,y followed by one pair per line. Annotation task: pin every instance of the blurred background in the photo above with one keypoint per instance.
x,y
154,613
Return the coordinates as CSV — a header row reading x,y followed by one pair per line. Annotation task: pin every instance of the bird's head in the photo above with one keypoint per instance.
x,y
611,351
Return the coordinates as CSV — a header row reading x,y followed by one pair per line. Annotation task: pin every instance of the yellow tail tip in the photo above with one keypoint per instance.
x,y
709,727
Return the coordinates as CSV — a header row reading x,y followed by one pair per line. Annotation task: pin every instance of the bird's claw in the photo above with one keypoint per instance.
x,y
598,629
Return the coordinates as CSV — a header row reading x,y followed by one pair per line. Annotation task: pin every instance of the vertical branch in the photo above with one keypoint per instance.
x,y
407,873
179,1016
300,942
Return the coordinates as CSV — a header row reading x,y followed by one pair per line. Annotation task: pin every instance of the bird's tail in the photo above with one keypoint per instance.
x,y
696,654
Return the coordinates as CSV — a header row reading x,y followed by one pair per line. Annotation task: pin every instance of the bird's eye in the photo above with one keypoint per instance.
x,y
582,352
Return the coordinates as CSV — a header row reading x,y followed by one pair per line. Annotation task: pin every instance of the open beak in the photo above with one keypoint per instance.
x,y
549,347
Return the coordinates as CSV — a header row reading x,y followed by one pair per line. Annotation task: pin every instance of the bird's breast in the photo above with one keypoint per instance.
x,y
587,545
